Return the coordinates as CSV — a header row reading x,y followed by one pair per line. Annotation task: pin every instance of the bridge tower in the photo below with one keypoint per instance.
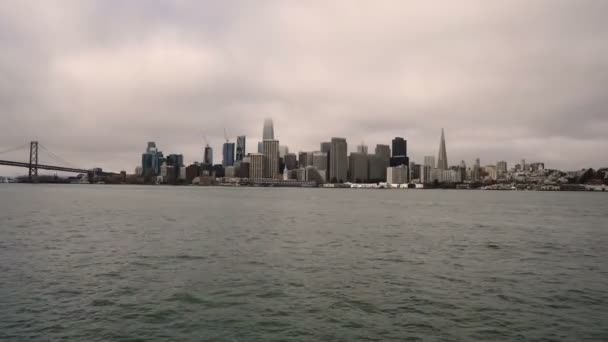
x,y
33,161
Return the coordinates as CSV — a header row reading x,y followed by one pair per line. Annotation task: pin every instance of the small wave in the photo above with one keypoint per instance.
x,y
185,297
101,302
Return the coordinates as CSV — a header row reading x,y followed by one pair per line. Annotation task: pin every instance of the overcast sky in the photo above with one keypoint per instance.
x,y
95,80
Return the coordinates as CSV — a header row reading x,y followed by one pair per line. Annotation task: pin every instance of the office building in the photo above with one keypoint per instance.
x,y
228,154
491,172
325,146
305,159
256,165
319,160
283,150
208,155
358,167
151,160
501,168
240,147
383,151
268,133
399,147
291,161
429,161
362,149
377,165
397,174
338,164
271,158
442,160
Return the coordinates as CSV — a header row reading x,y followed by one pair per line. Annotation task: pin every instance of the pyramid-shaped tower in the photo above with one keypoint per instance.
x,y
442,160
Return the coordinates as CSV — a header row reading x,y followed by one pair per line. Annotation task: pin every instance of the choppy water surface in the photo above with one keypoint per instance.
x,y
99,263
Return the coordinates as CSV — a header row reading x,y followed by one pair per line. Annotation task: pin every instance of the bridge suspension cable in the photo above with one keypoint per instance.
x,y
24,146
56,157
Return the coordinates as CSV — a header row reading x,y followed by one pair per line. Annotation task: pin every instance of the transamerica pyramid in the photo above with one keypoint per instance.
x,y
442,160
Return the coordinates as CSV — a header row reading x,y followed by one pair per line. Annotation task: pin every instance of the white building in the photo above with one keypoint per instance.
x,y
397,174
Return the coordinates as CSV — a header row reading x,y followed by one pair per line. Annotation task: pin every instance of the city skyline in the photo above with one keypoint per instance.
x,y
94,86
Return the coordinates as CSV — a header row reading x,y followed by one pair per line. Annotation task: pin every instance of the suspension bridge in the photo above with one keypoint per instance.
x,y
59,164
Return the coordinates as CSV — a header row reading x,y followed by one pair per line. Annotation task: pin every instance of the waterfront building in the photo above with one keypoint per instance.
x,y
151,160
362,149
377,165
429,161
228,154
491,171
414,171
397,174
501,168
312,174
271,158
425,174
442,160
358,167
139,171
445,176
240,147
476,175
244,166
256,165
229,172
338,164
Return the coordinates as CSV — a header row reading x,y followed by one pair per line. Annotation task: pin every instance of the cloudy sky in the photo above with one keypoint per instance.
x,y
95,80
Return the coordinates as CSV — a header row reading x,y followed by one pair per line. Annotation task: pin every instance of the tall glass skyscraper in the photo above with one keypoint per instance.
x,y
240,147
208,157
228,154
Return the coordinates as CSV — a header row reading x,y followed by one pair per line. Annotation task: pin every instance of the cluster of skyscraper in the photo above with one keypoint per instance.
x,y
331,163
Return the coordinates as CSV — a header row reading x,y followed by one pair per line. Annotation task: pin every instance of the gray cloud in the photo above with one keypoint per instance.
x,y
95,80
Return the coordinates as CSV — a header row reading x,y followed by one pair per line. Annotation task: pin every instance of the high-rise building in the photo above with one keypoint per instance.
x,y
151,160
175,160
256,165
477,170
268,133
399,147
240,147
271,158
326,146
362,149
383,151
305,159
397,174
283,150
228,154
399,152
319,160
524,166
208,156
377,167
414,171
442,160
338,164
429,161
291,161
358,168
501,168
